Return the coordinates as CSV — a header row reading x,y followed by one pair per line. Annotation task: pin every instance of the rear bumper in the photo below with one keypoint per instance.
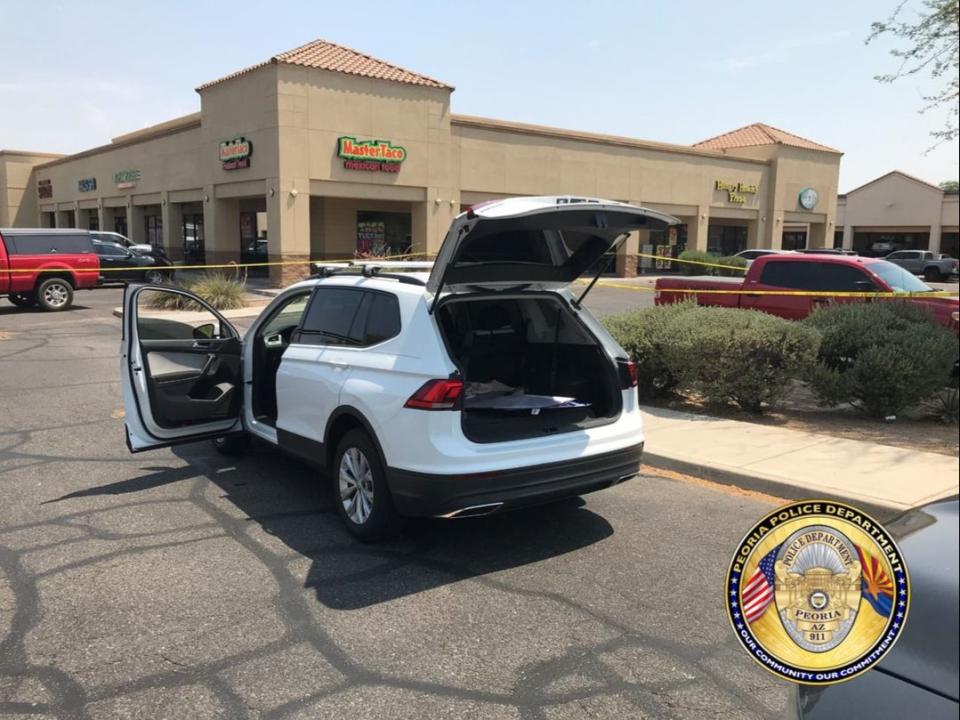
x,y
423,494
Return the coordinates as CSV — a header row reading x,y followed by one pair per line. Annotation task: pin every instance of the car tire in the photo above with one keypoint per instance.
x,y
55,294
932,275
360,490
154,277
231,445
24,300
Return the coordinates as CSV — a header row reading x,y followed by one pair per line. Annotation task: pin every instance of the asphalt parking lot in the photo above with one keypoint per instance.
x,y
178,584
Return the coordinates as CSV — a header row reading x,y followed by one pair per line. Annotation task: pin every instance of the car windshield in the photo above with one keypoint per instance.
x,y
899,279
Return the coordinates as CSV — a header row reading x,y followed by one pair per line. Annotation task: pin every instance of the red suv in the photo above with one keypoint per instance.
x,y
44,266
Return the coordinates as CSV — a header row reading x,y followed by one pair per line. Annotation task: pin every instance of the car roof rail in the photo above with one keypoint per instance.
x,y
365,270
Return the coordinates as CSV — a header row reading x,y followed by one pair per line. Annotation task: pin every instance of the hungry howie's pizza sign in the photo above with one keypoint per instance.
x,y
370,155
235,154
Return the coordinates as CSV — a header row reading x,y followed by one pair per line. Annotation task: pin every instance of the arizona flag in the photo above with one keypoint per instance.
x,y
757,593
876,587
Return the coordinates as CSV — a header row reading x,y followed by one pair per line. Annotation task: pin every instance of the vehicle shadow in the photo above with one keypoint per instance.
x,y
293,503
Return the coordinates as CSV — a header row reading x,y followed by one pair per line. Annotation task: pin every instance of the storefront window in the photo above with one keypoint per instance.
x,y
120,224
154,230
795,239
950,244
883,243
726,239
380,234
193,244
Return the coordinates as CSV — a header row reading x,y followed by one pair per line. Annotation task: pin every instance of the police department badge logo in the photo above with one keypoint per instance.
x,y
818,592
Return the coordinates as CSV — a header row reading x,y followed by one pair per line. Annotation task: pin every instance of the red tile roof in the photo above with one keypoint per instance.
x,y
325,55
759,134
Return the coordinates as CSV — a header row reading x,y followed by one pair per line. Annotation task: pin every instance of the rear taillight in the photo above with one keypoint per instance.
x,y
628,373
440,394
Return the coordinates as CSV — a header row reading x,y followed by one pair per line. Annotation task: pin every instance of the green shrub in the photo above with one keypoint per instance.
x,y
696,256
741,356
881,357
736,265
220,290
644,334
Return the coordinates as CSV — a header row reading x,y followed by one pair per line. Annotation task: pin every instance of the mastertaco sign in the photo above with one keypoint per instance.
x,y
235,153
370,155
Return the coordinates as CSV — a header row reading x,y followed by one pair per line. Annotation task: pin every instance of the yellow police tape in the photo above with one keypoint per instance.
x,y
787,293
665,259
602,283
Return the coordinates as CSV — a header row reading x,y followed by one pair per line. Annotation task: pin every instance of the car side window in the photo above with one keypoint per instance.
x,y
287,316
834,277
793,275
356,318
110,250
383,318
53,243
898,256
928,256
330,317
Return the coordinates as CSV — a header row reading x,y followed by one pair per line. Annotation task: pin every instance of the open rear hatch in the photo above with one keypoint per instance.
x,y
530,365
536,243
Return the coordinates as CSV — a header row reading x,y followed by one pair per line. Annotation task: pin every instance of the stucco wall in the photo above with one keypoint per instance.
x,y
892,201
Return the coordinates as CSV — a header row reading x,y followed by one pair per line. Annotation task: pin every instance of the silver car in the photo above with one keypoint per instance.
x,y
932,266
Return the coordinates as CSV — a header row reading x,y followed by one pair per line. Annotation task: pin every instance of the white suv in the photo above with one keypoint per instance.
x,y
483,386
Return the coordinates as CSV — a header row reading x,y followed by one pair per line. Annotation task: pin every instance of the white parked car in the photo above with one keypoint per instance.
x,y
751,255
483,386
113,237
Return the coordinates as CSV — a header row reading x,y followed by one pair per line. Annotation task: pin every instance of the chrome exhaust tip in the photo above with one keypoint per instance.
x,y
473,511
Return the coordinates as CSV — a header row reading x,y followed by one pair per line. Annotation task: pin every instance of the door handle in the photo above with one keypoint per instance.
x,y
340,364
202,344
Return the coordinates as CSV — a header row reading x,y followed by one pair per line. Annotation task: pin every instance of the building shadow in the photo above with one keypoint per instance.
x,y
294,504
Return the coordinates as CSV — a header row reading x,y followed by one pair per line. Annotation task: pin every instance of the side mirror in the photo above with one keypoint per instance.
x,y
204,332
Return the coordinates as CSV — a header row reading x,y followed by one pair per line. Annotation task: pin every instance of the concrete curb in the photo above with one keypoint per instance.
x,y
765,485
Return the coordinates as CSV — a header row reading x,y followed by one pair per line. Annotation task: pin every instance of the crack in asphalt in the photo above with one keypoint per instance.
x,y
537,685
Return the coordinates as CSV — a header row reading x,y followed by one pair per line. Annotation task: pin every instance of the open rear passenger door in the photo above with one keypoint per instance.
x,y
180,369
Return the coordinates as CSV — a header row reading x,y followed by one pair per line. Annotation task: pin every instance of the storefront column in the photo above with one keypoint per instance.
x,y
172,217
697,229
136,227
221,228
817,236
105,218
288,229
776,232
753,234
848,237
431,219
935,233
627,260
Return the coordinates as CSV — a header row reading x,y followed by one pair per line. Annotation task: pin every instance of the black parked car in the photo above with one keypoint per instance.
x,y
122,264
918,679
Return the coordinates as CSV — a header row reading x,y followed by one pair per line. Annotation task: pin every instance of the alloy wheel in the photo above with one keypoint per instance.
x,y
56,295
356,485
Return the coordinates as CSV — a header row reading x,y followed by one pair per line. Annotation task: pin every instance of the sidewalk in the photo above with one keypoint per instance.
x,y
796,465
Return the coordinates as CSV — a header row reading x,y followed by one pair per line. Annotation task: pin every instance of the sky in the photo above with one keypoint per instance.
x,y
75,74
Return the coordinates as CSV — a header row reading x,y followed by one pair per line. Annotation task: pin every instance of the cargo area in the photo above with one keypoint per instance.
x,y
530,367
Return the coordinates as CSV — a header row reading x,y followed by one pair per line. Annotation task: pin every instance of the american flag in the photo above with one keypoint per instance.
x,y
757,593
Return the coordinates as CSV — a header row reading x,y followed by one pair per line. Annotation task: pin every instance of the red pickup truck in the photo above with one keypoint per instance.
x,y
824,274
59,261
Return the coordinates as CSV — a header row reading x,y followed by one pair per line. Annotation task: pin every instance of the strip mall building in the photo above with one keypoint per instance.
x,y
325,152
